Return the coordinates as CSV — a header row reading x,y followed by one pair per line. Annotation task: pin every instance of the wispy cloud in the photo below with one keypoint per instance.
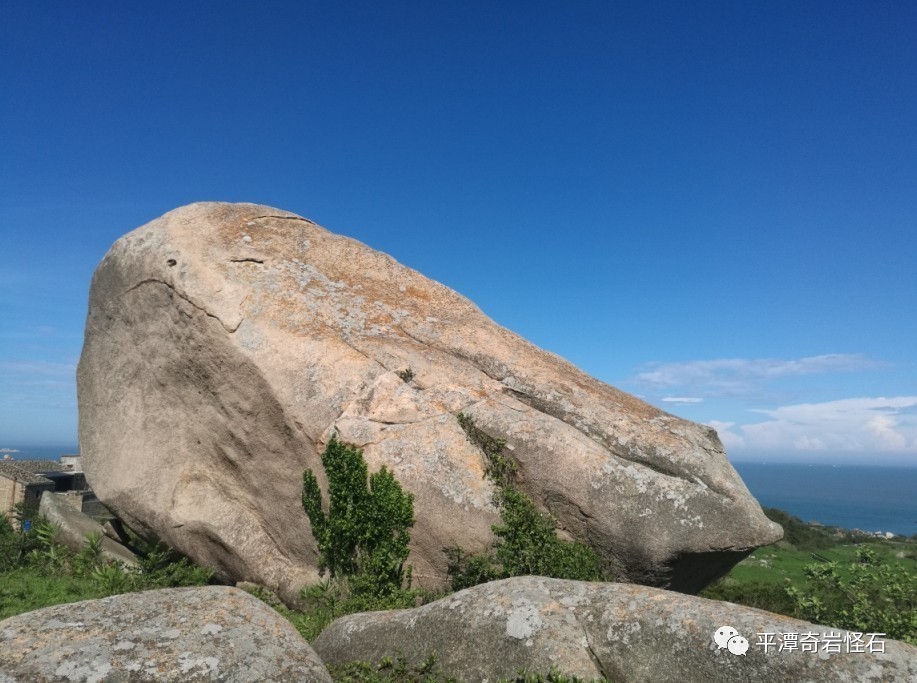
x,y
742,376
853,424
682,400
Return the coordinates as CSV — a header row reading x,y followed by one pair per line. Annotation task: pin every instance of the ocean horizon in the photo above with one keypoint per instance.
x,y
52,452
865,497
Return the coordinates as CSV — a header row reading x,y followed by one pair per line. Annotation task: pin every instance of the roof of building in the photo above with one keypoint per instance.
x,y
12,470
30,471
40,466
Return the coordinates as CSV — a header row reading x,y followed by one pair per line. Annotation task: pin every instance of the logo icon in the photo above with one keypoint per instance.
x,y
727,637
723,634
738,645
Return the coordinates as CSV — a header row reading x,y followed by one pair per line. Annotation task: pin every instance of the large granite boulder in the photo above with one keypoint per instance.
x,y
179,634
226,343
625,633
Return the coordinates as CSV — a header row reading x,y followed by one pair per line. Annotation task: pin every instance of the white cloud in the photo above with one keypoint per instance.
x,y
742,376
854,424
682,399
729,439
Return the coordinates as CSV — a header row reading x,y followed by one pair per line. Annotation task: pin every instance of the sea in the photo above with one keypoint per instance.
x,y
848,496
53,452
852,497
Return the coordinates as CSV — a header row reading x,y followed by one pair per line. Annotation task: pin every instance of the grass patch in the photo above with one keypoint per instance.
x,y
24,589
836,578
37,572
399,671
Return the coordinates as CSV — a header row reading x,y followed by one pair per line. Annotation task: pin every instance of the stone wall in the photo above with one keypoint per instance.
x,y
15,491
7,495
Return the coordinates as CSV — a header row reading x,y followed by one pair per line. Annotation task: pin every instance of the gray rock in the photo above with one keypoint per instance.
x,y
75,527
226,343
626,633
180,634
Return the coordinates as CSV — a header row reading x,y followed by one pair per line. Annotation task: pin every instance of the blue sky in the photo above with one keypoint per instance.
x,y
710,205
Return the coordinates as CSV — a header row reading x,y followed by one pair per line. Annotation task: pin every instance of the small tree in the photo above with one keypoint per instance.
x,y
364,535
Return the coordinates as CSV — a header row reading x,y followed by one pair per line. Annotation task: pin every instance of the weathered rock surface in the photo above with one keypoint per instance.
x,y
225,344
75,527
179,634
625,633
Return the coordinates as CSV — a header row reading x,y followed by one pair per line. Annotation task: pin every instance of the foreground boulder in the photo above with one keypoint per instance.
x,y
625,633
74,527
180,634
226,344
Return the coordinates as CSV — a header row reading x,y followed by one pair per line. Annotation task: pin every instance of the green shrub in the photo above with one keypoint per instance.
x,y
90,557
470,570
10,545
112,578
162,567
47,556
362,540
867,595
527,541
500,469
364,535
33,557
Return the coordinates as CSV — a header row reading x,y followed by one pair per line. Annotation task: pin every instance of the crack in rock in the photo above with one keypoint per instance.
x,y
202,309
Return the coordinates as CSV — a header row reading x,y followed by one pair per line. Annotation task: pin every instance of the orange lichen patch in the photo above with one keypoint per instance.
x,y
237,222
418,294
476,467
379,318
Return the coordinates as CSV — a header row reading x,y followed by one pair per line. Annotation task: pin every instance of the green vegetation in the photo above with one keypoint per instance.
x,y
829,576
851,581
871,596
797,533
499,468
390,671
24,589
399,671
362,540
364,535
527,542
36,572
406,375
363,543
